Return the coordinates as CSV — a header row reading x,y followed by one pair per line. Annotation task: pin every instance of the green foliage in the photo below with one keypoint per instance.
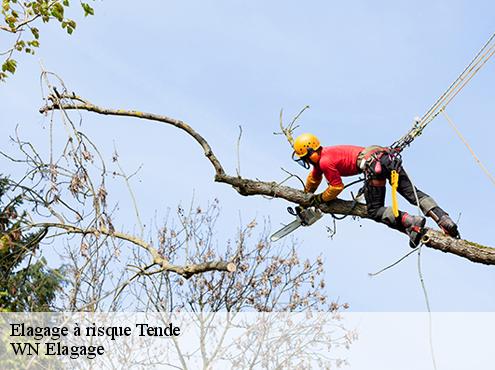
x,y
32,288
9,66
26,282
17,17
88,10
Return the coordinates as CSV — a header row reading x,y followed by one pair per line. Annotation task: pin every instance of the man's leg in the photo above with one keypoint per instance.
x,y
427,204
375,200
374,193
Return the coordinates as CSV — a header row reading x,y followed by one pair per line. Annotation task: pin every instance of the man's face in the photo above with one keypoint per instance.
x,y
314,157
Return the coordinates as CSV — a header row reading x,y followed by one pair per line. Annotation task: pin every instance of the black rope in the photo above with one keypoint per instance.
x,y
354,203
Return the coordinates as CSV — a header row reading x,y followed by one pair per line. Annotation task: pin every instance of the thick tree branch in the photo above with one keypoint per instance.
x,y
433,239
163,264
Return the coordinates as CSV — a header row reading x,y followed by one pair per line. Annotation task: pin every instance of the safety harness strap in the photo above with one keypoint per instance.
x,y
367,154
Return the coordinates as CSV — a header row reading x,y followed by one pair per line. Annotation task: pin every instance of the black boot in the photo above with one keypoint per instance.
x,y
414,226
444,222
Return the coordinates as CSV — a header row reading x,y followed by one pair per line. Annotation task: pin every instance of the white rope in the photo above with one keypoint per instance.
x,y
465,142
423,285
441,103
481,57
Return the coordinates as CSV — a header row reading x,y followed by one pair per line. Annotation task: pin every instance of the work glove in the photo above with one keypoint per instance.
x,y
316,200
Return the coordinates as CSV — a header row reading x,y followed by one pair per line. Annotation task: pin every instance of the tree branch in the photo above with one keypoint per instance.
x,y
247,187
164,265
67,101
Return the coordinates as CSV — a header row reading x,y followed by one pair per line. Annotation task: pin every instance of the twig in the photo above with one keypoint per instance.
x,y
372,274
289,130
293,175
238,169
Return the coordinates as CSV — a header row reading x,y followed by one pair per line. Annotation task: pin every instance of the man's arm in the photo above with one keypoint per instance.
x,y
331,192
312,182
335,186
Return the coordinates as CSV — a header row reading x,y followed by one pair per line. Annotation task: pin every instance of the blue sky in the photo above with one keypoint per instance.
x,y
365,68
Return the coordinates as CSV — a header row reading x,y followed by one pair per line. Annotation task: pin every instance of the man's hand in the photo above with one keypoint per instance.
x,y
328,195
316,200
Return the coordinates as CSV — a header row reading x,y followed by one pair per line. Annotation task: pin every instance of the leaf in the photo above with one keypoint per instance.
x,y
57,11
10,20
34,43
88,10
5,5
35,32
9,66
19,45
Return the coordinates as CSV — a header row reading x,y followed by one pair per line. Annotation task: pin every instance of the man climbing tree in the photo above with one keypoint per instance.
x,y
378,164
63,100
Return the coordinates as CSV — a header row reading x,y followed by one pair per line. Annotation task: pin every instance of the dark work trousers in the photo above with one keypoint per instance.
x,y
375,193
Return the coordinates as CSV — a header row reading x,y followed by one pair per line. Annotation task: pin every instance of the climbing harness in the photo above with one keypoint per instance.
x,y
376,161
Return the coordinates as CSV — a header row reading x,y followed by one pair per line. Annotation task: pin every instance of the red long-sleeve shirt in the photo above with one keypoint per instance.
x,y
337,161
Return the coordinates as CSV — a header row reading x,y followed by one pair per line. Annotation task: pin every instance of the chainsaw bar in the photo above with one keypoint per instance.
x,y
304,217
287,229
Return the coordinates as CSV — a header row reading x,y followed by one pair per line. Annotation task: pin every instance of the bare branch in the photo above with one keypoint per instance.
x,y
67,102
288,131
164,265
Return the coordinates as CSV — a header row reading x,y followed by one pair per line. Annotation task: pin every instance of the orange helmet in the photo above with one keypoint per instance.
x,y
305,147
304,142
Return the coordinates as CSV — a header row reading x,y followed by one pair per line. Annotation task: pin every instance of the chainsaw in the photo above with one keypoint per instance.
x,y
304,217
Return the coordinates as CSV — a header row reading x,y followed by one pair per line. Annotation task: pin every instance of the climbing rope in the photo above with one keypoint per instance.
x,y
397,147
439,106
421,279
467,74
463,139
423,286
